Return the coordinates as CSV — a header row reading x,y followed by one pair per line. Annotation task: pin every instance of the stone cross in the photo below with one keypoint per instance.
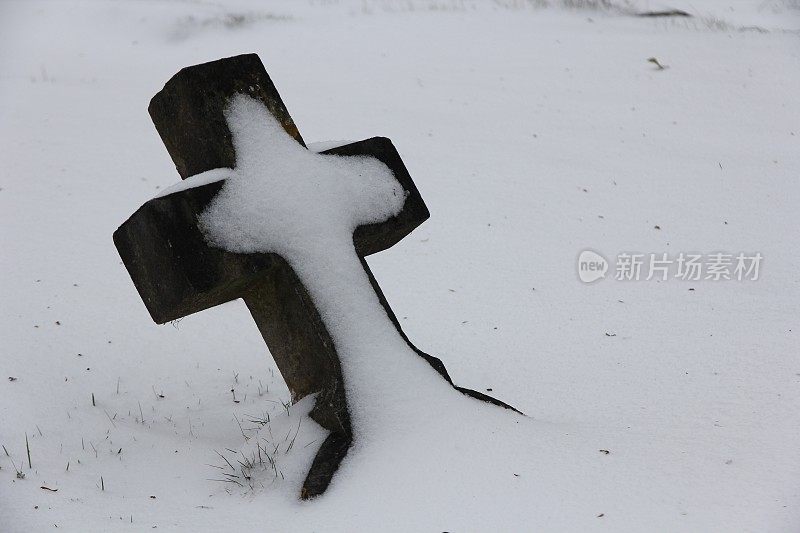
x,y
177,273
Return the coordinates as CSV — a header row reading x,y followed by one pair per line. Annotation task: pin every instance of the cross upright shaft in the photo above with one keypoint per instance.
x,y
177,273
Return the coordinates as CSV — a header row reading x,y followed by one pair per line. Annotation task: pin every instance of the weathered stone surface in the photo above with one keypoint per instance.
x,y
189,111
177,273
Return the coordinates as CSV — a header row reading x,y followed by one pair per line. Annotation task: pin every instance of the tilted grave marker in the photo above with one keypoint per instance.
x,y
178,273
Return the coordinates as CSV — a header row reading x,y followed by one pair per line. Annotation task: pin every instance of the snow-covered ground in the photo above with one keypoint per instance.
x,y
533,132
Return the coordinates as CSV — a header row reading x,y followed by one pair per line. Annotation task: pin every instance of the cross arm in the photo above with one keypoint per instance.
x,y
373,238
173,268
177,273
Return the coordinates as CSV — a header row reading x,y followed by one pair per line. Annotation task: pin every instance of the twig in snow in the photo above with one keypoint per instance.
x,y
246,438
226,460
20,474
227,481
288,448
664,13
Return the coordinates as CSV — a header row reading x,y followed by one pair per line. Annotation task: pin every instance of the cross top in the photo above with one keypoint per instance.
x,y
286,230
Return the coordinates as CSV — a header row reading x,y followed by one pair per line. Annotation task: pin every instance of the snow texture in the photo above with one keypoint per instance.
x,y
286,199
321,146
532,134
198,180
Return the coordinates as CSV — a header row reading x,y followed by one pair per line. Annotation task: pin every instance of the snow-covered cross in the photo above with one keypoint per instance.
x,y
286,229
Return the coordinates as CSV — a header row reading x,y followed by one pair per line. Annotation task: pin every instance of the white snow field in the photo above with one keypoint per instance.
x,y
533,131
